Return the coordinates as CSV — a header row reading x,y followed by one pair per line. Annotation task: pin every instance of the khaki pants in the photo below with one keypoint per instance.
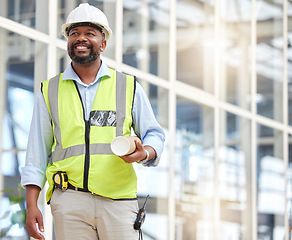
x,y
83,216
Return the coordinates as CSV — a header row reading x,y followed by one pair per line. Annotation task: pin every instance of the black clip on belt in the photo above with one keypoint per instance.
x,y
70,186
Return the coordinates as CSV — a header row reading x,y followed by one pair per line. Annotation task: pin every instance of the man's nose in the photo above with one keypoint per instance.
x,y
82,38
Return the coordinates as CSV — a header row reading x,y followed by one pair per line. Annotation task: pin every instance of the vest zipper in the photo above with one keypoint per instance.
x,y
87,143
87,155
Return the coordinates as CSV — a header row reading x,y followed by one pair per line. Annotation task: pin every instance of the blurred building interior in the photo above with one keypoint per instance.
x,y
218,74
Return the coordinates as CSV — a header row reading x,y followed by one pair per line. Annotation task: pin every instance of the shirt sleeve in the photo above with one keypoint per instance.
x,y
39,145
146,126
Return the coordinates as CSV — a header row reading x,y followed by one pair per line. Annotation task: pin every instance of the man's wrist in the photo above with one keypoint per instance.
x,y
146,159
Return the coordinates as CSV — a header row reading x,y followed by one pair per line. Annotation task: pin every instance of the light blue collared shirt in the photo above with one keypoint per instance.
x,y
41,133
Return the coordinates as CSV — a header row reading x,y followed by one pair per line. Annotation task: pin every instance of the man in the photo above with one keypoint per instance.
x,y
77,114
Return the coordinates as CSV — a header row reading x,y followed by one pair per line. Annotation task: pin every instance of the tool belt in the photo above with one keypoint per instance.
x,y
60,180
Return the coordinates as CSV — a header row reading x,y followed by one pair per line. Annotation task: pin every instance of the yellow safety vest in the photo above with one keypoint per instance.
x,y
82,148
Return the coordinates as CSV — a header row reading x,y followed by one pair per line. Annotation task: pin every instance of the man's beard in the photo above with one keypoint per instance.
x,y
92,56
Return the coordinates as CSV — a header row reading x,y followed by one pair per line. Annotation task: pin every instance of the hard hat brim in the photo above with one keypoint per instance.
x,y
107,31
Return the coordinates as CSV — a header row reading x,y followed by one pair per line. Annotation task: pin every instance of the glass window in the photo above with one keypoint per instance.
x,y
109,9
195,43
270,59
63,60
289,62
145,36
234,171
194,171
154,180
289,190
270,184
234,44
22,12
30,13
17,60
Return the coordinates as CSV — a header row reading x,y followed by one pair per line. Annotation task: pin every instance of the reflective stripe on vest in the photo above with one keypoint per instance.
x,y
98,148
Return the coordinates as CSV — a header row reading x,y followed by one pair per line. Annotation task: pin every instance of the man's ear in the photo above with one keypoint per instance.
x,y
103,45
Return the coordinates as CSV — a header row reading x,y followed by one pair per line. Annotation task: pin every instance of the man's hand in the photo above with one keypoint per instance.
x,y
139,153
34,215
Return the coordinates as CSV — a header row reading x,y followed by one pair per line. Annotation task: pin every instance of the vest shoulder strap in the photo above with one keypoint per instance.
x,y
45,89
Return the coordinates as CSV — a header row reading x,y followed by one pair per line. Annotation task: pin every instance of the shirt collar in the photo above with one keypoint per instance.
x,y
70,74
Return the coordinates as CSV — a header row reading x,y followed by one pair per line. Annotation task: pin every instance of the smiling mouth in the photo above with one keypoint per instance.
x,y
81,47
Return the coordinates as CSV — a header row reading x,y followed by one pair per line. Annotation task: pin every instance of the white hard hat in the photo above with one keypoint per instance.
x,y
85,14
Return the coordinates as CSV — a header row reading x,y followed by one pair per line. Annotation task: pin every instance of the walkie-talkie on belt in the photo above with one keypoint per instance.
x,y
141,216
